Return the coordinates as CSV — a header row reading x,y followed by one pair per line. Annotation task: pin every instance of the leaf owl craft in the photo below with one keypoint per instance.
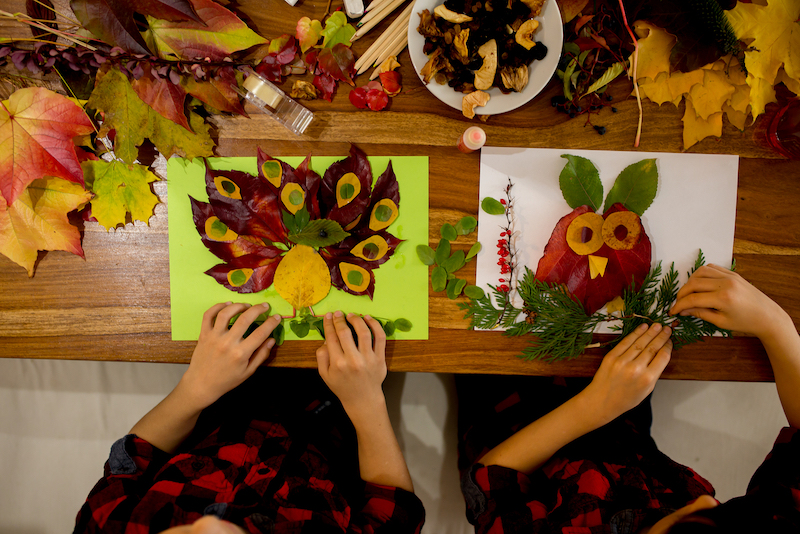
x,y
300,231
598,256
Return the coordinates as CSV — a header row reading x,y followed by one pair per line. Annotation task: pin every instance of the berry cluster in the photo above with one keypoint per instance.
x,y
505,250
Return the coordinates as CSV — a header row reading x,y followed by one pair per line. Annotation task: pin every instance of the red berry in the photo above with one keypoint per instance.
x,y
503,201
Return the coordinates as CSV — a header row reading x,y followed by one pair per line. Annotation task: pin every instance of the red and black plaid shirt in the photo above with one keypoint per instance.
x,y
255,476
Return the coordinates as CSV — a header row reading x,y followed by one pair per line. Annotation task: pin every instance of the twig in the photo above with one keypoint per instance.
x,y
635,62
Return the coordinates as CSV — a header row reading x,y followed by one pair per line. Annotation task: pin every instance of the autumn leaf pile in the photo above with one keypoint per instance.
x,y
772,38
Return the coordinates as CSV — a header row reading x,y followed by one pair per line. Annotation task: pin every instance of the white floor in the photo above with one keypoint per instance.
x,y
58,420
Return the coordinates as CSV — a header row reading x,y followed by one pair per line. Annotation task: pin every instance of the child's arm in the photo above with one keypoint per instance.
x,y
626,376
355,375
222,360
722,297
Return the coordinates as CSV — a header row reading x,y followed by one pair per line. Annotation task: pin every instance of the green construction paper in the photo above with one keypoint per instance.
x,y
401,284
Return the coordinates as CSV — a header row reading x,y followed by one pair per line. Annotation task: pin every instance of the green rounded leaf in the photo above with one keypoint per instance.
x,y
318,233
580,183
404,325
279,334
448,232
635,187
426,254
454,262
389,327
474,292
492,206
454,288
438,279
442,251
466,225
473,251
300,328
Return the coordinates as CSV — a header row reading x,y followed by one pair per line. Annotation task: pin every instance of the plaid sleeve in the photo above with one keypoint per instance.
x,y
389,509
498,500
128,474
781,469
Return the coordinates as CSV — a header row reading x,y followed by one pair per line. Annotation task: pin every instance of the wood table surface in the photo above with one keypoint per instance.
x,y
115,304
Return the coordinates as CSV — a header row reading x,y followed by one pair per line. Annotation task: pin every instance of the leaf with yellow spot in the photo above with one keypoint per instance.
x,y
302,278
371,249
347,188
272,171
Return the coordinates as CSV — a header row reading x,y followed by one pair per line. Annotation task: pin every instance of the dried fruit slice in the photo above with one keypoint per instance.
x,y
585,234
621,230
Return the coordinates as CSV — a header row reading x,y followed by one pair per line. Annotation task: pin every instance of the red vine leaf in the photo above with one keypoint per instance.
x,y
338,63
162,95
326,86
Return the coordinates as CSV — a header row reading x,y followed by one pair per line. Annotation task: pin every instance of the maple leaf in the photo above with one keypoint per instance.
x,y
36,131
119,189
113,21
654,49
37,220
162,95
774,36
218,35
134,121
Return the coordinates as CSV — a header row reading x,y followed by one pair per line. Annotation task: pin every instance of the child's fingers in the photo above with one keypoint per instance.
x,y
378,335
657,343
628,341
260,335
642,342
362,330
661,359
331,337
244,321
211,314
343,333
260,356
227,313
707,300
323,360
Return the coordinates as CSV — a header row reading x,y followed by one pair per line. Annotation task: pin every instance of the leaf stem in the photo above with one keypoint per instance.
x,y
635,66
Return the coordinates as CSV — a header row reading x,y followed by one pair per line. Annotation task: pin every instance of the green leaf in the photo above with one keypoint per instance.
x,y
473,251
426,254
492,206
301,218
612,72
474,292
337,30
442,251
316,324
319,233
568,78
276,244
438,279
450,276
635,187
404,325
388,327
279,334
448,232
466,225
454,262
572,48
454,288
580,183
300,328
290,222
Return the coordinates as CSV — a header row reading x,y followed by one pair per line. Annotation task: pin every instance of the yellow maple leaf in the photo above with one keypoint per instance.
x,y
302,278
655,45
709,96
696,129
774,37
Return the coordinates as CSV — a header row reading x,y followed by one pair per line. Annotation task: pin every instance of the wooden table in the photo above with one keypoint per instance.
x,y
115,305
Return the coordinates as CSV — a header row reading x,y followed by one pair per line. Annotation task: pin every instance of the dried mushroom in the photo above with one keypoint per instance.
x,y
524,35
484,78
515,78
451,16
427,25
472,101
460,44
303,90
437,62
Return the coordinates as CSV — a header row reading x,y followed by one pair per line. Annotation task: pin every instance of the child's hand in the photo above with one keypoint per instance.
x,y
354,374
722,297
629,372
223,359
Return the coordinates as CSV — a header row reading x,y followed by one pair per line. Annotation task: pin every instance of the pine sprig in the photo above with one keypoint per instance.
x,y
483,314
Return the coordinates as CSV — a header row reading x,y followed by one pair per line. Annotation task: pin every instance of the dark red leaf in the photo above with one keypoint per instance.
x,y
391,82
326,86
162,95
336,274
358,164
377,99
358,97
227,250
38,9
338,62
263,266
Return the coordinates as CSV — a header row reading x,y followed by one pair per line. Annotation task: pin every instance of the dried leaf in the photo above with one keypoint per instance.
x,y
37,220
696,129
119,189
338,63
36,131
655,46
162,95
302,278
216,35
250,273
218,91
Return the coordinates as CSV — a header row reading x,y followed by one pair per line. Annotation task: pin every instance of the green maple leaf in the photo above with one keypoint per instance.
x,y
134,121
119,189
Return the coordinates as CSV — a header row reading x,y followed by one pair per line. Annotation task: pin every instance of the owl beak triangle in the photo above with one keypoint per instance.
x,y
597,266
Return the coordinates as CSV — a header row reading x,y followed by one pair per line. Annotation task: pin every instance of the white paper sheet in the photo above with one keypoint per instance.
x,y
695,207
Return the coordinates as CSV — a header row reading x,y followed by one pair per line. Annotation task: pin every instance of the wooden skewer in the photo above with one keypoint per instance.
x,y
379,13
398,26
376,19
376,4
397,49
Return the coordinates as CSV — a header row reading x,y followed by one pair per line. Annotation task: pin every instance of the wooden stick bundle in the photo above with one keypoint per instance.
x,y
374,18
389,40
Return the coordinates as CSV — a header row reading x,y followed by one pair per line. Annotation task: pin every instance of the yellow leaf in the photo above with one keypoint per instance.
x,y
37,220
658,90
708,97
774,37
616,305
740,98
681,83
696,129
302,278
119,189
654,49
792,84
735,117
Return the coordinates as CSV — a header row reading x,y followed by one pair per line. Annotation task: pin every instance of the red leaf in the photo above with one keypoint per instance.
x,y
36,131
263,267
326,86
358,97
113,21
218,92
338,62
377,99
561,265
336,274
358,164
226,250
391,82
162,95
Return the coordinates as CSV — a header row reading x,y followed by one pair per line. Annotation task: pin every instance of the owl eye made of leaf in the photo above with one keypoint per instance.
x,y
347,188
